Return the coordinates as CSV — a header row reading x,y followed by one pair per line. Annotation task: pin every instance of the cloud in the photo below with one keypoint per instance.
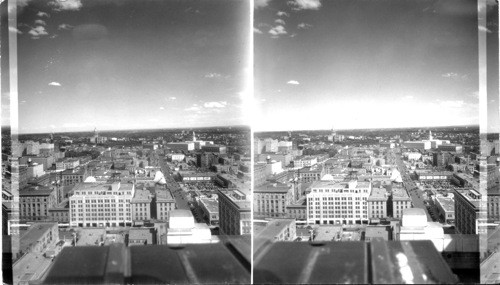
x,y
219,104
22,3
260,3
67,5
263,25
40,22
408,97
279,21
281,14
278,31
293,82
15,30
304,4
455,76
38,31
483,29
53,83
215,75
475,94
42,14
64,27
162,108
172,98
257,31
452,104
303,26
195,107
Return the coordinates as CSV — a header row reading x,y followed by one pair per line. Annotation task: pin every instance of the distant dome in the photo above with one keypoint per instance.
x,y
90,179
327,177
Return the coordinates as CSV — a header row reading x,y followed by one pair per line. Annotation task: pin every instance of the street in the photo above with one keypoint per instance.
x,y
411,188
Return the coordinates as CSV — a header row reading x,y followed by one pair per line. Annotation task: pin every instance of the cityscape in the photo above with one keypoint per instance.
x,y
250,142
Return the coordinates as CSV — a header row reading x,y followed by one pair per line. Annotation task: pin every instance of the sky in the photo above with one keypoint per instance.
x,y
123,64
348,64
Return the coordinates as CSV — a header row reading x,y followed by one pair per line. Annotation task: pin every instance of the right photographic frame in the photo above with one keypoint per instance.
x,y
376,142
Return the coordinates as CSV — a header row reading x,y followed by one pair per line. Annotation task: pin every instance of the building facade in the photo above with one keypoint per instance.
x,y
234,212
35,202
140,206
377,203
271,199
164,203
97,205
332,202
467,211
400,201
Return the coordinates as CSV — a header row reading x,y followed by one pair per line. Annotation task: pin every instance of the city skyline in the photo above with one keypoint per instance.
x,y
362,64
129,65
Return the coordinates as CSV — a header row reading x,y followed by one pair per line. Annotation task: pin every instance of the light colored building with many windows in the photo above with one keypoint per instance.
x,y
332,202
96,204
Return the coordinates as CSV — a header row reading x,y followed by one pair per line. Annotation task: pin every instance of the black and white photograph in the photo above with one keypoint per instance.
x,y
130,144
368,162
250,141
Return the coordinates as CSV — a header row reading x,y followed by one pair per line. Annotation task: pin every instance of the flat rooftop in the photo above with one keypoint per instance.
x,y
447,203
399,194
273,228
378,194
211,204
34,233
276,187
163,194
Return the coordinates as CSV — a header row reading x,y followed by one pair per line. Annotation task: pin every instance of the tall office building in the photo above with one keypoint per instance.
x,y
332,202
95,204
234,212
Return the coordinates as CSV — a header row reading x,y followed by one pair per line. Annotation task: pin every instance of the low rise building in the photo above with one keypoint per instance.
x,y
73,176
210,208
182,229
297,210
446,208
278,230
38,238
140,237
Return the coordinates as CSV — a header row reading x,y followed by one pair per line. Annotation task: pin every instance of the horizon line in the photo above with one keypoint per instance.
x,y
373,128
123,130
